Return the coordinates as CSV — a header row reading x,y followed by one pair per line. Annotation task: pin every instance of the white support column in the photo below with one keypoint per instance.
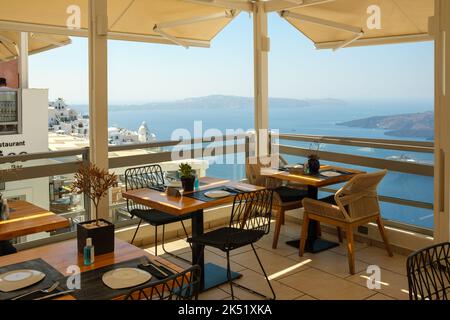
x,y
23,60
98,90
440,28
261,63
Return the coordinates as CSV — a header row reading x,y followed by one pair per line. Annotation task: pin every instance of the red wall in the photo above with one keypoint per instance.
x,y
10,71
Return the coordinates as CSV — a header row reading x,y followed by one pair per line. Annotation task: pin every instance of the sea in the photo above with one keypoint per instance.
x,y
314,120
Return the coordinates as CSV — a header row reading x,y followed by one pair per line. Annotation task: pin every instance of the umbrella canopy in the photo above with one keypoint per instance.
x,y
172,21
335,24
9,41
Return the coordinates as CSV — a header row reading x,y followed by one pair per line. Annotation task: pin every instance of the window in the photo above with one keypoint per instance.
x,y
9,112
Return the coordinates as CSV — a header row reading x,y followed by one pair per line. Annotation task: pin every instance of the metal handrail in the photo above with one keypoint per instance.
x,y
399,166
413,146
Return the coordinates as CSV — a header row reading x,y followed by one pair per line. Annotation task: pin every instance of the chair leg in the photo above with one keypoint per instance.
x,y
230,280
185,232
170,253
304,235
278,223
264,271
283,218
351,250
156,241
384,236
339,232
135,233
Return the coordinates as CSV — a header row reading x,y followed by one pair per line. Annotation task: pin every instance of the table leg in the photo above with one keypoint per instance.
x,y
198,256
314,244
212,275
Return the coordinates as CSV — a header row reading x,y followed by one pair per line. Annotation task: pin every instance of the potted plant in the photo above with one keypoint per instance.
x,y
94,183
187,176
313,160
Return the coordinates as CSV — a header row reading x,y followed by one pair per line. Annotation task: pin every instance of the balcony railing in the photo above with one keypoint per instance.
x,y
285,144
67,162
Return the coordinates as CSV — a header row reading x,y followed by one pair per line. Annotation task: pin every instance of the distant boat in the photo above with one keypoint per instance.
x,y
403,158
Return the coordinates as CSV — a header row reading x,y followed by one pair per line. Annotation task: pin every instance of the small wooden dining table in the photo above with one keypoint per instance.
x,y
212,275
26,218
314,243
62,255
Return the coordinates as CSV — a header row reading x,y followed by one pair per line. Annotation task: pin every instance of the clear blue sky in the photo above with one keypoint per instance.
x,y
140,72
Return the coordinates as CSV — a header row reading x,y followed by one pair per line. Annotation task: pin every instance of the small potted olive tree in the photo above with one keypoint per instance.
x,y
187,176
94,183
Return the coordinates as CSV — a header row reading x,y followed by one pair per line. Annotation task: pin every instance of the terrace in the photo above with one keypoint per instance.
x,y
42,177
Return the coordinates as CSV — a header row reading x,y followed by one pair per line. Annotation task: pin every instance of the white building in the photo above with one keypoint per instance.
x,y
58,112
31,138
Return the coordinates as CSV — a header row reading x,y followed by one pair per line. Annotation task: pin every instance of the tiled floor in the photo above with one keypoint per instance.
x,y
313,276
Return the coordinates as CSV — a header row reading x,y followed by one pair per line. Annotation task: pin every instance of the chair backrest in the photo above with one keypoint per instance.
x,y
428,273
252,210
358,198
253,168
142,177
182,286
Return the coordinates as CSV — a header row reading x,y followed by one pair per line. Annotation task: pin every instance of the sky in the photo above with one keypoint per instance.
x,y
142,72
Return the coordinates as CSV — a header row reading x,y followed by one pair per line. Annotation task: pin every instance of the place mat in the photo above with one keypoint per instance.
x,y
335,173
200,195
93,288
51,276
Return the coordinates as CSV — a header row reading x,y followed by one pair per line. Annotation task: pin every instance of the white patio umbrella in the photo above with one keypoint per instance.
x,y
9,43
335,24
166,21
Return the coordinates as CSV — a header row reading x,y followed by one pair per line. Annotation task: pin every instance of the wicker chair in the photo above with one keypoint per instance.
x,y
355,204
429,273
286,197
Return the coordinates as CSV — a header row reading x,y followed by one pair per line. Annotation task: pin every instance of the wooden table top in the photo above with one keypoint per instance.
x,y
26,218
64,254
312,180
184,204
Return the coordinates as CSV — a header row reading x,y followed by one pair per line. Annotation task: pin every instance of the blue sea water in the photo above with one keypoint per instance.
x,y
318,120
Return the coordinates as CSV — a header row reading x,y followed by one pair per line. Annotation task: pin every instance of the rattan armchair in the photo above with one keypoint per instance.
x,y
355,204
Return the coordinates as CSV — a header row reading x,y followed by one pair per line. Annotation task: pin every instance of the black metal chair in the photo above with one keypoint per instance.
x,y
182,286
249,222
151,177
429,273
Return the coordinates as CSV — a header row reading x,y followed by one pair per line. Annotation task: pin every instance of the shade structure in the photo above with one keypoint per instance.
x,y
335,24
163,21
9,43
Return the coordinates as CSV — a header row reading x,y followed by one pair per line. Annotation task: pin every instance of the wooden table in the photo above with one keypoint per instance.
x,y
26,218
314,243
64,254
212,275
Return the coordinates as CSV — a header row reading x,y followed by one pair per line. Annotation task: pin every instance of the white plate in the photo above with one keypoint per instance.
x,y
19,279
217,194
243,188
331,174
123,278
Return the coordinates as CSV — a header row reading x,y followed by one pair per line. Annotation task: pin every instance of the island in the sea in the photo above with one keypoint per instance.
x,y
417,125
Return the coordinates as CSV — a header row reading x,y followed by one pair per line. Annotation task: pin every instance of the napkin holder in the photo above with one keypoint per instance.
x,y
173,192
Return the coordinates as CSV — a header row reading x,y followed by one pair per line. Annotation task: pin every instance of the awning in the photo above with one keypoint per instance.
x,y
334,24
184,22
9,41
